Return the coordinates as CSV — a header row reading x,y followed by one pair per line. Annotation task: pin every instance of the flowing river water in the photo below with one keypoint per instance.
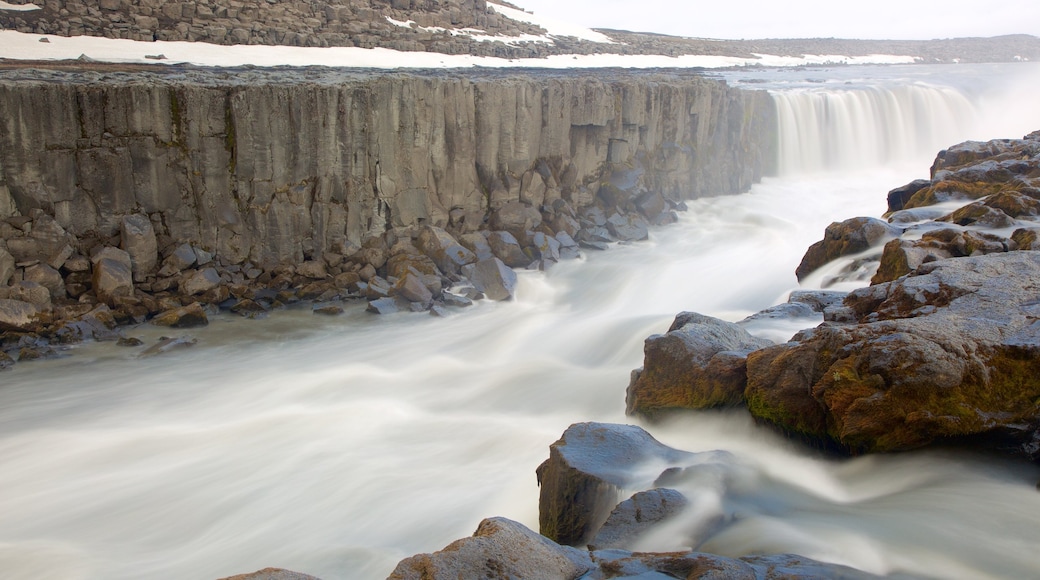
x,y
337,446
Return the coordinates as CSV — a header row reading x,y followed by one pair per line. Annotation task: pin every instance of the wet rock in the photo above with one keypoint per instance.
x,y
586,468
17,315
327,309
629,227
845,238
500,548
818,300
447,253
6,361
451,299
167,344
784,311
248,308
200,281
383,306
950,351
492,278
190,316
439,311
546,248
129,342
1026,238
411,288
137,238
505,247
378,288
900,257
698,364
898,197
635,516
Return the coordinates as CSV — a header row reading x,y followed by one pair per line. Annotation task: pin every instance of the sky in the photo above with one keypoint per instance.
x,y
878,19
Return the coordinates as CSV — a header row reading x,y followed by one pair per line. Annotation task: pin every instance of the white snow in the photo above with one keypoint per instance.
x,y
20,46
18,7
473,33
554,27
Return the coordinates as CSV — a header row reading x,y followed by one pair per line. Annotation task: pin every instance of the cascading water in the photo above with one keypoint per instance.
x,y
338,446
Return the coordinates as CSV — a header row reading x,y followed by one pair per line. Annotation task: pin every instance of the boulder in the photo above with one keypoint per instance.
x,y
586,469
635,516
516,218
699,363
492,278
383,306
167,344
190,316
900,257
478,244
31,292
447,253
47,277
950,351
137,238
898,197
818,300
411,288
17,315
112,275
313,269
630,227
181,258
200,281
505,247
845,238
500,548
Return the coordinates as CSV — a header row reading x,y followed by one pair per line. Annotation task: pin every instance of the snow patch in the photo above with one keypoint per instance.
x,y
21,46
472,33
18,7
554,27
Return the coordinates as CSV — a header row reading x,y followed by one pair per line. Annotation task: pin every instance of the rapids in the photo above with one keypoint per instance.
x,y
338,446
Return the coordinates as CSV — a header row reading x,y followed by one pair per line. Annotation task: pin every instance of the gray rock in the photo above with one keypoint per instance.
x,y
31,292
500,548
47,277
272,574
383,306
137,238
492,278
818,300
182,258
478,244
784,311
447,253
313,269
697,364
167,344
629,227
411,288
109,253
505,247
636,515
17,315
200,281
112,277
586,468
327,309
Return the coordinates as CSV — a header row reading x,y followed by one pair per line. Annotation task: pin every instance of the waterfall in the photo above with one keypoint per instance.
x,y
828,129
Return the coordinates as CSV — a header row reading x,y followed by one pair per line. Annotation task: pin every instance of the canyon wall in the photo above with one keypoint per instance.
x,y
283,166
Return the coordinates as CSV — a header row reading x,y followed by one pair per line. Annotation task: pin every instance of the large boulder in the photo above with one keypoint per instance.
x,y
493,278
951,351
47,277
698,364
851,236
112,275
200,281
499,549
449,255
505,247
137,238
586,469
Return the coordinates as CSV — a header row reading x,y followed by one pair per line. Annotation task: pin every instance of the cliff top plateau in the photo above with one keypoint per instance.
x,y
419,33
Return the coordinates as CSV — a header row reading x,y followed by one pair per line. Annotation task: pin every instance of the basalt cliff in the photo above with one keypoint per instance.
x,y
145,190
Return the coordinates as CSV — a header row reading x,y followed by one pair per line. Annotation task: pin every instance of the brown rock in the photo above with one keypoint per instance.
x,y
190,316
17,315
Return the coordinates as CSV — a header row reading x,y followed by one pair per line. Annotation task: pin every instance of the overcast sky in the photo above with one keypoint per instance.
x,y
886,19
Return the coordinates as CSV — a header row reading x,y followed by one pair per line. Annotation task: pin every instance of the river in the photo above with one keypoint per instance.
x,y
337,446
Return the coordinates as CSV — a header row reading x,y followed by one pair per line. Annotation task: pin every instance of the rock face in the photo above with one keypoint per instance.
x,y
698,364
950,351
272,167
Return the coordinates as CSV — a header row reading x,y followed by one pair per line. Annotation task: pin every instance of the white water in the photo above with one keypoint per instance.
x,y
338,446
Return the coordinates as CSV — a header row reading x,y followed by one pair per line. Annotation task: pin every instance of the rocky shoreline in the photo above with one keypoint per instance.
x,y
165,195
943,354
